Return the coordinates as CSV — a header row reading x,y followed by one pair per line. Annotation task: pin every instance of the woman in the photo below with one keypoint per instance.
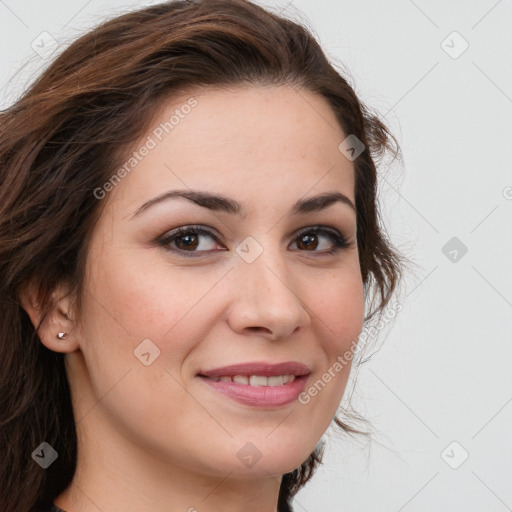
x,y
189,236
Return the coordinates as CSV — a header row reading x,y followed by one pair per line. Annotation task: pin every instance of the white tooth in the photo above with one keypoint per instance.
x,y
241,379
225,379
258,380
276,380
289,378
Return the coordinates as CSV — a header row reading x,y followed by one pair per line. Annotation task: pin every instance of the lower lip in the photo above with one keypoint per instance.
x,y
259,396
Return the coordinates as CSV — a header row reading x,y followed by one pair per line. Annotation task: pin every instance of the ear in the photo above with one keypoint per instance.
x,y
59,319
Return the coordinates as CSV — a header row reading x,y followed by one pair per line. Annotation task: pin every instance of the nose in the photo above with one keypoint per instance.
x,y
265,301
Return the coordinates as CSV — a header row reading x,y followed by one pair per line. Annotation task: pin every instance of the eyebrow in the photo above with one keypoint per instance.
x,y
225,204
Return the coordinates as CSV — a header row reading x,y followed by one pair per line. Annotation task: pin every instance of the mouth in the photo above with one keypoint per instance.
x,y
258,384
255,380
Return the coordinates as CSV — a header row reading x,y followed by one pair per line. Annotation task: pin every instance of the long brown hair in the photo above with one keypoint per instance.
x,y
67,135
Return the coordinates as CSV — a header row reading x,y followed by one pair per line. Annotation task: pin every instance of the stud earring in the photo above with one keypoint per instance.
x,y
61,335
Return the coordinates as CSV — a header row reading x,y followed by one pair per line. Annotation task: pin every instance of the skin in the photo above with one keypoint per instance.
x,y
156,437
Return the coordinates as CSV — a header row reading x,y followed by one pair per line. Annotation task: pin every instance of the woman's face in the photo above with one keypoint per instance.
x,y
246,288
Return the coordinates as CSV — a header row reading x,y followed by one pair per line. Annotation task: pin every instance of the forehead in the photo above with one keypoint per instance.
x,y
243,142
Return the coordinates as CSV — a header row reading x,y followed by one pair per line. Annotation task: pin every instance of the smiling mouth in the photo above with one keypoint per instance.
x,y
259,383
255,380
260,391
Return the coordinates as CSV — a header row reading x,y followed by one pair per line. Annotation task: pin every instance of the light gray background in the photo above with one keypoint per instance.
x,y
443,372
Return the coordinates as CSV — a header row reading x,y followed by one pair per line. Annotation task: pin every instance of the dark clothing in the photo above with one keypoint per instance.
x,y
54,508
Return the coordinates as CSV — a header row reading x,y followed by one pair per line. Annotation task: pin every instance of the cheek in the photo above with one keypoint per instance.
x,y
124,306
339,306
133,301
144,299
339,312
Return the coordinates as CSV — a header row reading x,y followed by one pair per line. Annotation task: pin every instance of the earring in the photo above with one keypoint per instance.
x,y
61,335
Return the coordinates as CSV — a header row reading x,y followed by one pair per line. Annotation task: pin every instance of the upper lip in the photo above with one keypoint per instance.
x,y
259,368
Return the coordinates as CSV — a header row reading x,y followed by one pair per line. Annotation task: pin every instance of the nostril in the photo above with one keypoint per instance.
x,y
258,329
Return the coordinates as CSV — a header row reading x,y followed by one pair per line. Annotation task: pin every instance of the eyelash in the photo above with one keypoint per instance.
x,y
340,242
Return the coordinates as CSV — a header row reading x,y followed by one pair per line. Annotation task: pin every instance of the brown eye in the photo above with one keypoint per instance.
x,y
189,239
310,240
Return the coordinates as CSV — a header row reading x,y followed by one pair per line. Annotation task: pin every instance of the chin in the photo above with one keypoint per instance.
x,y
265,469
261,458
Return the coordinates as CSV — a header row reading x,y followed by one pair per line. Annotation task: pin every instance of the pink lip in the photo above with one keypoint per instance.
x,y
263,369
259,396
